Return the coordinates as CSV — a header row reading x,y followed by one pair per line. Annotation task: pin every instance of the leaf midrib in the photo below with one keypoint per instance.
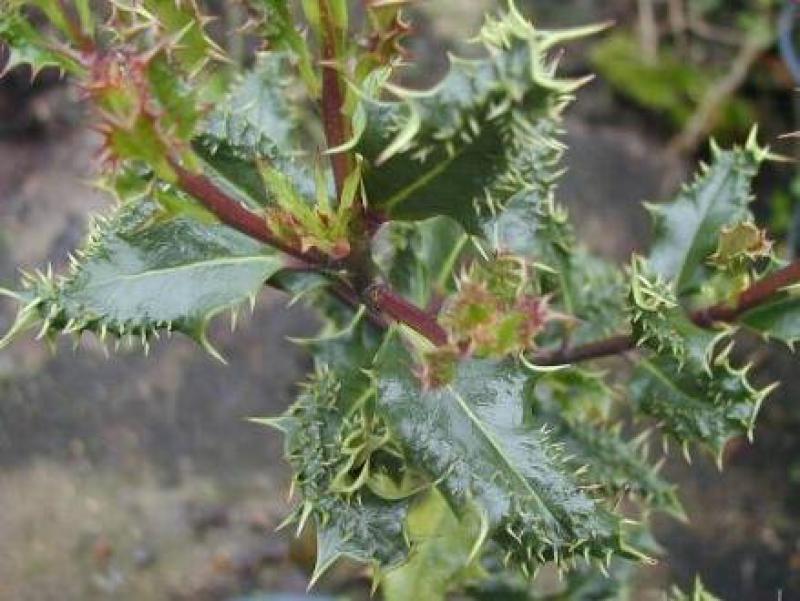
x,y
680,281
421,182
499,451
662,377
177,268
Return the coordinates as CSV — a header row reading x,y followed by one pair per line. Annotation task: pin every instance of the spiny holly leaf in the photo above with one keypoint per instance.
x,y
613,464
660,324
443,543
183,21
346,351
694,392
573,405
687,230
777,320
137,275
698,406
320,431
463,148
612,583
471,438
532,226
256,122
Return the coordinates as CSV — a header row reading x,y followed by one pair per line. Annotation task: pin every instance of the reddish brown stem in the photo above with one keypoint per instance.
x,y
234,214
350,297
385,302
390,303
602,348
336,130
758,294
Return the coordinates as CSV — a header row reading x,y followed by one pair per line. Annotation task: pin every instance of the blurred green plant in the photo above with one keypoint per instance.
x,y
688,62
671,86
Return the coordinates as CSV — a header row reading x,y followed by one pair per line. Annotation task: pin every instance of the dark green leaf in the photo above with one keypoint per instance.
x,y
687,230
256,122
574,406
594,291
698,406
660,324
358,524
419,259
137,275
485,132
471,438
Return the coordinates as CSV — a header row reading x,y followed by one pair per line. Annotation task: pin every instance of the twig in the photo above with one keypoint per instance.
x,y
332,97
703,119
711,33
594,350
758,294
393,305
677,22
648,30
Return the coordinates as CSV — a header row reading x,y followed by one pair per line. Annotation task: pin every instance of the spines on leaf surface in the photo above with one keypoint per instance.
x,y
706,407
689,385
256,122
463,148
325,442
276,23
184,22
137,275
687,230
472,439
660,323
698,593
23,44
574,406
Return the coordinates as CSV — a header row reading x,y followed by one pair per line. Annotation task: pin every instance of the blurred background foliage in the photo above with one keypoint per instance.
x,y
136,479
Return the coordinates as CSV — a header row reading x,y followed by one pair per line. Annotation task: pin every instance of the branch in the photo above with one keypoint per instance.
x,y
332,98
390,303
231,212
648,30
594,350
758,294
383,301
703,119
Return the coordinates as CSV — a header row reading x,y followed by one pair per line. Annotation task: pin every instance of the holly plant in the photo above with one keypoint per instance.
x,y
465,424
